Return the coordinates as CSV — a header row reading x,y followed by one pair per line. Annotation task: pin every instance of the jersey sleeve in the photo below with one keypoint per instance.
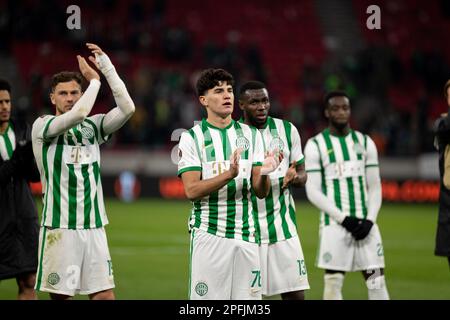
x,y
312,157
97,122
258,149
296,150
372,154
40,127
188,153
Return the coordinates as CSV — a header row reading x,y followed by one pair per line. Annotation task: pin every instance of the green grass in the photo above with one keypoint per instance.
x,y
149,245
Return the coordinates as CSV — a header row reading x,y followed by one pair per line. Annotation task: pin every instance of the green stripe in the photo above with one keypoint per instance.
x,y
197,213
70,141
191,251
44,134
226,145
272,127
213,212
363,196
8,144
292,210
324,185
57,164
351,192
283,210
360,178
301,161
96,170
189,169
330,150
287,129
332,159
245,225
45,147
231,209
255,212
72,197
194,136
87,195
208,143
78,135
94,127
41,259
270,217
315,170
102,132
356,141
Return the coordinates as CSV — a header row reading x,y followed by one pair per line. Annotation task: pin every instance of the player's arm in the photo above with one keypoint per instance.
x,y
296,174
119,115
262,167
81,108
373,180
195,188
374,196
314,191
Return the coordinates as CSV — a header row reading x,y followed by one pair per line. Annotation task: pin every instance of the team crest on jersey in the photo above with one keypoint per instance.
x,y
276,144
53,278
87,132
201,288
243,143
359,149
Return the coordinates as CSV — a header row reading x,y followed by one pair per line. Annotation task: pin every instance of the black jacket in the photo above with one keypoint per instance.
x,y
19,228
442,135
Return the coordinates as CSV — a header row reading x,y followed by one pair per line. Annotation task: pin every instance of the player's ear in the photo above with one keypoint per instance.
x,y
203,101
327,114
52,98
241,104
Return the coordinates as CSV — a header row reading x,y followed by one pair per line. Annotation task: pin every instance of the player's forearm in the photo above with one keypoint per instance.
x,y
202,188
319,199
77,114
300,179
261,185
374,192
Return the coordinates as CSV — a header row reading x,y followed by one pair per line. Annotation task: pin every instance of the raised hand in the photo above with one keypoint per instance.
x,y
271,162
234,162
86,70
290,176
100,59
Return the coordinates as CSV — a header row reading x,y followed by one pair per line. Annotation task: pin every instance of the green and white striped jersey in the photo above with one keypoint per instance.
x,y
205,148
342,163
7,143
69,165
276,212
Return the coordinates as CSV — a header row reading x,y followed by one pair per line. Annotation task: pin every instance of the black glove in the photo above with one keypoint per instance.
x,y
351,223
362,230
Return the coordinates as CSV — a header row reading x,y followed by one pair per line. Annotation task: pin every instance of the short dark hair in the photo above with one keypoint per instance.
x,y
251,85
4,85
447,85
66,76
210,78
332,94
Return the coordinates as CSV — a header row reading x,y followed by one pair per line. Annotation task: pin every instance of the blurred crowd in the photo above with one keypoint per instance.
x,y
395,99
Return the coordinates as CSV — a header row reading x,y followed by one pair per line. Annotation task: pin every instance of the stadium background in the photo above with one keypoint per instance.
x,y
300,49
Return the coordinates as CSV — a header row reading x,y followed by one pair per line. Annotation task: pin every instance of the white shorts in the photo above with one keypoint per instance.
x,y
283,267
74,261
339,251
223,269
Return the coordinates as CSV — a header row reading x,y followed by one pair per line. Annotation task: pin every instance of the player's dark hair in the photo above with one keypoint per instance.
x,y
447,85
251,85
210,78
4,85
332,94
66,76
